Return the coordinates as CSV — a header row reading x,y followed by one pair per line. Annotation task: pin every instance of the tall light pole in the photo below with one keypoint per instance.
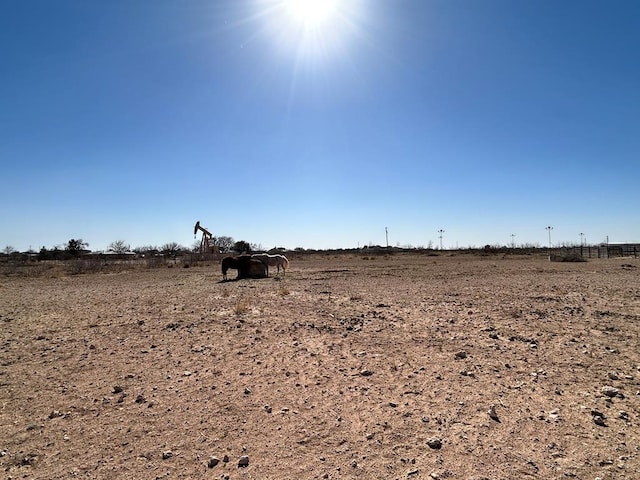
x,y
386,234
582,239
548,229
513,242
441,231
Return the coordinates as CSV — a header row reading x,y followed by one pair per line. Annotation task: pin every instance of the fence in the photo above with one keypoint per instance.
x,y
607,251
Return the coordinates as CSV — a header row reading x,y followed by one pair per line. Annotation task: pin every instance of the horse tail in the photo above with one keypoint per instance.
x,y
224,270
286,262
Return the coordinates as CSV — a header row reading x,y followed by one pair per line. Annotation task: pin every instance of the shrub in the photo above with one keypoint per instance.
x,y
568,257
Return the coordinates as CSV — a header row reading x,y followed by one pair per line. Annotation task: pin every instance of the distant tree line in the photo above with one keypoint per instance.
x,y
75,248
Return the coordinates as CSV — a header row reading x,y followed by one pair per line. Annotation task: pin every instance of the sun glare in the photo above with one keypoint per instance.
x,y
311,13
316,33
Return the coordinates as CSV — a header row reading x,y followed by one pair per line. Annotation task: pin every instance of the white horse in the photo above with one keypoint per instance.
x,y
273,261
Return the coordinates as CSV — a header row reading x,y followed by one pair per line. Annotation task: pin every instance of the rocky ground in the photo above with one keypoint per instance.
x,y
376,367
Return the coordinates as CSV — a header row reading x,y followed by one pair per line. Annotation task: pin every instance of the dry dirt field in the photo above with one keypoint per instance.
x,y
378,367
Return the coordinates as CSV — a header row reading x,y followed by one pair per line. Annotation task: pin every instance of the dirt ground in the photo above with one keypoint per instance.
x,y
376,367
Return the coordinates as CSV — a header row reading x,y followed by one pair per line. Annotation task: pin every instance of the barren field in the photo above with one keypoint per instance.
x,y
378,367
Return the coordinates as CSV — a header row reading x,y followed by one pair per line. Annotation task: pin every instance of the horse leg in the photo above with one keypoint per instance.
x,y
266,266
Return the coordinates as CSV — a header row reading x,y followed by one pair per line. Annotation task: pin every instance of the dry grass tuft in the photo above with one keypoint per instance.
x,y
515,312
283,291
242,306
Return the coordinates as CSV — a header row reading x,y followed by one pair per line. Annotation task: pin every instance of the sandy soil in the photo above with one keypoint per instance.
x,y
379,367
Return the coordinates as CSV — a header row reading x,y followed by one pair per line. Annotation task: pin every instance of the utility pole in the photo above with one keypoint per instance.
x,y
386,234
441,231
513,242
548,229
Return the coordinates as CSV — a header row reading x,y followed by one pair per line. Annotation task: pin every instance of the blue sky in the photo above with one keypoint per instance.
x,y
130,120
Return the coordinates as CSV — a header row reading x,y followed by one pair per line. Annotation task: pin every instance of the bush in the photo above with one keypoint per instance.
x,y
568,257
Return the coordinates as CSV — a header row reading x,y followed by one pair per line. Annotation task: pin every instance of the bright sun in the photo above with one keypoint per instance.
x,y
314,31
311,13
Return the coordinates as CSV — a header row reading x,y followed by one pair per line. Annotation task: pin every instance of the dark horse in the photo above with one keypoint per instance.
x,y
246,266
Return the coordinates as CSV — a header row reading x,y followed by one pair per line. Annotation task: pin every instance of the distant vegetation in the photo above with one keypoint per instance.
x,y
75,257
568,257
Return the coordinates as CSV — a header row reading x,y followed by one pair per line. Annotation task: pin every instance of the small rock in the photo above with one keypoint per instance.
x,y
213,461
460,355
599,420
612,392
167,454
243,462
492,413
225,459
29,459
140,399
435,443
186,373
268,409
366,373
613,376
118,389
247,391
